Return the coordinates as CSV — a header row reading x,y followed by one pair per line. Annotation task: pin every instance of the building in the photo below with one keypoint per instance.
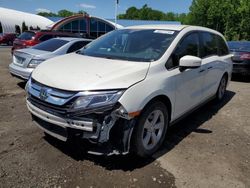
x,y
84,25
93,27
11,20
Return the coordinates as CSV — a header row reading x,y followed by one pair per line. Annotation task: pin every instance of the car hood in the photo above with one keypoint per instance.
x,y
75,72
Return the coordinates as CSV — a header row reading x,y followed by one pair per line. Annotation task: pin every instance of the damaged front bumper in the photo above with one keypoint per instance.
x,y
109,133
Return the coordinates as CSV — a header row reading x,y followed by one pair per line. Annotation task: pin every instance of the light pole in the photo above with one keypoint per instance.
x,y
116,7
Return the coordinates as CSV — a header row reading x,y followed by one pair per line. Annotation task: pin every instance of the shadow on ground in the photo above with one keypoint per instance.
x,y
176,133
241,78
22,84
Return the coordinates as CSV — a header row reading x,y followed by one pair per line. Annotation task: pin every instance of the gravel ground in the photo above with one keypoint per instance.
x,y
210,148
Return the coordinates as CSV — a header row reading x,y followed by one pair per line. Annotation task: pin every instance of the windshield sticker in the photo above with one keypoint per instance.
x,y
164,32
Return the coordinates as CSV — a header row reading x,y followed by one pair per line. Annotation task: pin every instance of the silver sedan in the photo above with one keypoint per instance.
x,y
25,60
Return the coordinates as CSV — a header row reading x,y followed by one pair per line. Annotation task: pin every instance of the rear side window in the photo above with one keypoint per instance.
x,y
26,35
45,37
188,46
209,44
77,45
50,45
222,47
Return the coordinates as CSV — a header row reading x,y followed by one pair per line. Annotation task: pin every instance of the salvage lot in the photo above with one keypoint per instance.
x,y
210,148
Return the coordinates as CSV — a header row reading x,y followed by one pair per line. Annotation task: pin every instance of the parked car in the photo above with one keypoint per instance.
x,y
241,56
7,38
26,60
121,92
31,38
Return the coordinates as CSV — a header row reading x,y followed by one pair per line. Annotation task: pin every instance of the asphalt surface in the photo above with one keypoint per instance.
x,y
209,148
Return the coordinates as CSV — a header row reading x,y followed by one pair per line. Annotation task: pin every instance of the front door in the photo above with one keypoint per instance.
x,y
188,84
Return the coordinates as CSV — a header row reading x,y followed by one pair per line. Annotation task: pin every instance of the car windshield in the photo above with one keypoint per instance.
x,y
145,45
241,46
50,45
26,35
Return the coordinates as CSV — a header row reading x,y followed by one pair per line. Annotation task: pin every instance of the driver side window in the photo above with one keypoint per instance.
x,y
189,45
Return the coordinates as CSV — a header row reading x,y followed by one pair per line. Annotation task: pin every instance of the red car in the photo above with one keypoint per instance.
x,y
7,38
31,38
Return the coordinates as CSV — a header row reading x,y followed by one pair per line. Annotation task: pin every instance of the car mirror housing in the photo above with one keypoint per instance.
x,y
189,62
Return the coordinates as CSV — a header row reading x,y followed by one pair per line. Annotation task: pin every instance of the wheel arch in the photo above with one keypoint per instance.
x,y
162,98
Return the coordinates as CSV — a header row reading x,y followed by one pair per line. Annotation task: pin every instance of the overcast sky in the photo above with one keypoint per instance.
x,y
101,8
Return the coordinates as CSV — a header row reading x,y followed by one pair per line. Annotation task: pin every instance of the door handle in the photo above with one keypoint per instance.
x,y
209,67
201,70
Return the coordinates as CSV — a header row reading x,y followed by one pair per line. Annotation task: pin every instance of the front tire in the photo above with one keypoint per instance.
x,y
150,131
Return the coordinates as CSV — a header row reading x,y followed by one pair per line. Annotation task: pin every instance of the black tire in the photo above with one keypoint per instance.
x,y
139,130
221,89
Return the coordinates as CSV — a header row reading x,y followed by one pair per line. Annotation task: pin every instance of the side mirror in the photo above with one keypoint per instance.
x,y
189,62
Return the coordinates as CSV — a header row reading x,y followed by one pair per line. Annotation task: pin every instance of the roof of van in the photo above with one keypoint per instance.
x,y
160,26
174,28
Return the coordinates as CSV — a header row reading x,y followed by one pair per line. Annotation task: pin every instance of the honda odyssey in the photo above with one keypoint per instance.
x,y
121,92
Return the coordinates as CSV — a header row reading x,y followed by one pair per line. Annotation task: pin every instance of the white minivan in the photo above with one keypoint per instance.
x,y
121,92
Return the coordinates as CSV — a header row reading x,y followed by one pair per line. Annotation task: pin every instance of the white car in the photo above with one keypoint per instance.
x,y
123,90
25,60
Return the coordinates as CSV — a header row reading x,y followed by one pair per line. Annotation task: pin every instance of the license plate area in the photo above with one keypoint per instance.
x,y
57,131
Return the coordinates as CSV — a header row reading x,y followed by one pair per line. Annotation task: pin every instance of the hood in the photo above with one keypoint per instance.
x,y
75,72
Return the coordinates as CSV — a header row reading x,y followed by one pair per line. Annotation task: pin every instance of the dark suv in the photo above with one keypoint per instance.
x,y
31,38
7,38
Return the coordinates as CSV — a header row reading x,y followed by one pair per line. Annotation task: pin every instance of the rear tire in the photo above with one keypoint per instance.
x,y
221,89
151,128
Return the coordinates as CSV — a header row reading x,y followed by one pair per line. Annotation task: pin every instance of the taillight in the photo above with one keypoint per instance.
x,y
245,56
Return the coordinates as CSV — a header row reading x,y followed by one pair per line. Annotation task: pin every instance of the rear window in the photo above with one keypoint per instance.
x,y
26,35
241,46
50,45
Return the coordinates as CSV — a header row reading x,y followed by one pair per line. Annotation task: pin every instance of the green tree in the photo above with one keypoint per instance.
x,y
47,14
230,17
147,13
65,13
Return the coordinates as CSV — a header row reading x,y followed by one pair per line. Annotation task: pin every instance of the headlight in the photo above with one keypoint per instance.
x,y
34,62
91,100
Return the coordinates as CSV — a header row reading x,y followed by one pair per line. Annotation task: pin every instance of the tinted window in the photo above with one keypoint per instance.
x,y
209,44
26,35
77,45
132,45
50,45
222,47
188,46
83,25
45,37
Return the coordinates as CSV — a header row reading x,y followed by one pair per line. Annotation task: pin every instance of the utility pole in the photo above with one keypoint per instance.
x,y
116,7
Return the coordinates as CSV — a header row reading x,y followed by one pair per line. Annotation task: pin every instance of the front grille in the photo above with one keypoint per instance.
x,y
50,108
58,102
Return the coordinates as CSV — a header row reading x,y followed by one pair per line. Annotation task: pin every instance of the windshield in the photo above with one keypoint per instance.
x,y
26,35
244,46
50,45
132,45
